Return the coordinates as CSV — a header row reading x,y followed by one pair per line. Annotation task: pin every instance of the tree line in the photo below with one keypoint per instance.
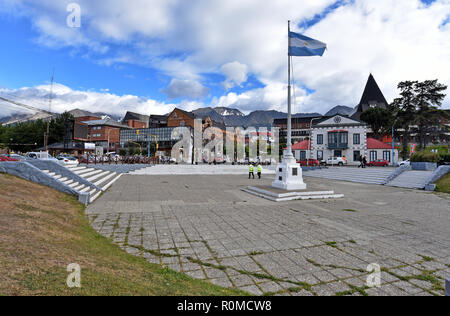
x,y
416,111
30,135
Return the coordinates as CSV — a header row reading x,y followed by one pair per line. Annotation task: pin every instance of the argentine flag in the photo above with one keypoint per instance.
x,y
300,45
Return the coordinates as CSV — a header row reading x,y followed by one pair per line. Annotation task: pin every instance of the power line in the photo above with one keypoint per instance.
x,y
26,106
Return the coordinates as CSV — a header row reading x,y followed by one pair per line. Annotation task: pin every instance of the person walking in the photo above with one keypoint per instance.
x,y
364,161
251,171
259,170
360,162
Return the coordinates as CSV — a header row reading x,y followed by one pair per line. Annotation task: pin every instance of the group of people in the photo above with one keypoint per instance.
x,y
251,171
362,162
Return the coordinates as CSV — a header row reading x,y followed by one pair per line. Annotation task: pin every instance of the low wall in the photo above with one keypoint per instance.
x,y
396,173
424,166
27,171
437,174
63,171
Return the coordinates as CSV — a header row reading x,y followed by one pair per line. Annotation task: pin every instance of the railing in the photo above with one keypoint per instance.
x,y
128,160
338,146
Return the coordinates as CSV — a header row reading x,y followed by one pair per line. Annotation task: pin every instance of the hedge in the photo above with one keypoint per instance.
x,y
425,157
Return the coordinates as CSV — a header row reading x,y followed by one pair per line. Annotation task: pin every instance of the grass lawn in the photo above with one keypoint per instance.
x,y
42,231
443,185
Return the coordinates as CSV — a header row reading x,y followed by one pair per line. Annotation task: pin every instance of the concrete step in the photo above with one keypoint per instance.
x,y
111,182
83,171
90,173
94,196
68,181
74,184
101,181
97,176
80,187
77,169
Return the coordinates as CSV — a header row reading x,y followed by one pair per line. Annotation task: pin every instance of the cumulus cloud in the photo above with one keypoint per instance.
x,y
395,40
190,89
65,99
235,73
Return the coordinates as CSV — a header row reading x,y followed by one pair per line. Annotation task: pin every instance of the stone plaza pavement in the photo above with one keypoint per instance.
x,y
206,227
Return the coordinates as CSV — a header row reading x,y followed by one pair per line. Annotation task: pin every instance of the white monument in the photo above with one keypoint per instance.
x,y
289,172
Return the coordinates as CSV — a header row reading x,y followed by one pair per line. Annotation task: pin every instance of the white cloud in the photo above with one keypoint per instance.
x,y
235,73
65,99
189,89
394,39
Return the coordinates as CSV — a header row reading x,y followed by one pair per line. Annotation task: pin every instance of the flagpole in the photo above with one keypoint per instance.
x,y
289,119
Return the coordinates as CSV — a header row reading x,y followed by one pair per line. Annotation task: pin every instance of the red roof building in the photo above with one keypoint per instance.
x,y
373,143
303,145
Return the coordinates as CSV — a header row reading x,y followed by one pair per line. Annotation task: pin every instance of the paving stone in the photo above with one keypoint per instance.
x,y
270,286
323,290
223,282
199,274
234,224
252,289
241,280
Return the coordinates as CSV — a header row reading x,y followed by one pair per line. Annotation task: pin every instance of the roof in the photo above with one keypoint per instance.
x,y
373,143
372,94
303,145
106,122
135,117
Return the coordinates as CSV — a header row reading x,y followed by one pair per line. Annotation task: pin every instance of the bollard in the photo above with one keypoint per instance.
x,y
447,287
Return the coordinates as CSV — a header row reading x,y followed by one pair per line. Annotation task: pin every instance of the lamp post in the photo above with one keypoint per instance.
x,y
393,147
109,131
310,138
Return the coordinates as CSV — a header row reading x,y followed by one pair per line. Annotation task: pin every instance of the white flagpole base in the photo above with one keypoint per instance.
x,y
289,175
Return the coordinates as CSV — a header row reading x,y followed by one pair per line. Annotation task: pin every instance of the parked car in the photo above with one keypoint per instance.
x,y
404,163
309,163
16,156
6,158
67,160
41,156
337,161
378,163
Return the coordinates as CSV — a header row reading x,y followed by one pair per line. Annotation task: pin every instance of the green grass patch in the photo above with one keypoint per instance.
x,y
443,185
39,245
350,210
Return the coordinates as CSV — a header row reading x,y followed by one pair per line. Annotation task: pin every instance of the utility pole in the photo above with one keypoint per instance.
x,y
49,110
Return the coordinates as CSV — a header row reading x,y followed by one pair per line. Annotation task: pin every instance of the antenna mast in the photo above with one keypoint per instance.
x,y
47,134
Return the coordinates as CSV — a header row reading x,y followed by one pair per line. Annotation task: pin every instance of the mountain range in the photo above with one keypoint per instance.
x,y
227,116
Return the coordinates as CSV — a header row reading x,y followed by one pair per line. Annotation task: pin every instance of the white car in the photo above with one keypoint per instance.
x,y
337,161
43,155
66,160
404,163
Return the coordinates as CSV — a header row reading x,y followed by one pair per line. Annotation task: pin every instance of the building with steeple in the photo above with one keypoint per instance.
x,y
372,97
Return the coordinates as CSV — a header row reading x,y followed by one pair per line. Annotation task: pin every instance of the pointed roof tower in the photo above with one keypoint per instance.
x,y
372,97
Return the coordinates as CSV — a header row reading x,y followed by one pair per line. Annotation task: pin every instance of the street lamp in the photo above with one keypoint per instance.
x,y
393,147
310,138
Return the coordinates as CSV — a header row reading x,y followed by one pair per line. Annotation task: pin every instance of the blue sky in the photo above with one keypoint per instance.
x,y
216,53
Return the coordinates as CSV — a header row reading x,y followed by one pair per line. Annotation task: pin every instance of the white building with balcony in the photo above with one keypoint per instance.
x,y
339,136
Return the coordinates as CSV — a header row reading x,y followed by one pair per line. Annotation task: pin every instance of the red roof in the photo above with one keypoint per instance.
x,y
373,143
303,145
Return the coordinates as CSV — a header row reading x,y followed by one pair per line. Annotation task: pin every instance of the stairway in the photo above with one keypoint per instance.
x,y
359,175
411,179
98,179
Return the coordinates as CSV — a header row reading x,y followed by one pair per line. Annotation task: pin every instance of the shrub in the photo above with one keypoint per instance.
x,y
425,157
445,157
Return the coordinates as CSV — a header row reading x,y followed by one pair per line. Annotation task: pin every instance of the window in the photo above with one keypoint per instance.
x,y
320,155
356,139
302,155
387,155
373,155
319,139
